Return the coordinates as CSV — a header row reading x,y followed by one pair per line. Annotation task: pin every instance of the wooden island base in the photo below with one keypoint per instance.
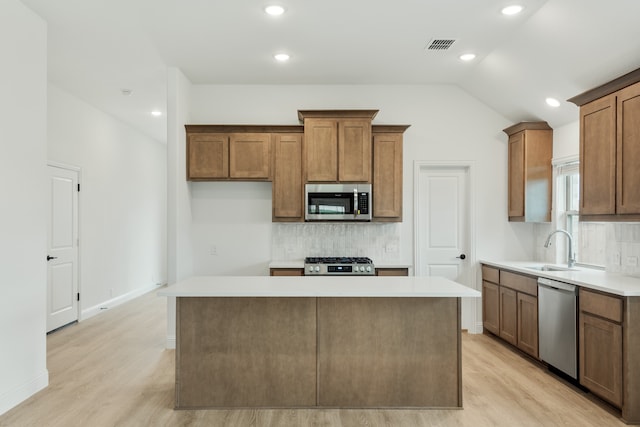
x,y
331,352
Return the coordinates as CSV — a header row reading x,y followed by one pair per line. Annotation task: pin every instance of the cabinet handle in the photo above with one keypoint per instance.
x,y
462,256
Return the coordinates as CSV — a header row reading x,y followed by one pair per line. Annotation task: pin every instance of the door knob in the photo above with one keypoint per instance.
x,y
462,256
49,257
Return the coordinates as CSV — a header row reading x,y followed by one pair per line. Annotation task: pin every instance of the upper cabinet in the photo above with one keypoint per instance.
x,y
387,173
530,152
221,156
288,191
337,145
610,150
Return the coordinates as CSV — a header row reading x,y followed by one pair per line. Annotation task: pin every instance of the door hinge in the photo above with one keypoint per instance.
x,y
78,296
78,187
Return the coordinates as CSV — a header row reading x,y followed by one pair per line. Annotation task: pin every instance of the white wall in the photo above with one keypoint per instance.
x,y
122,203
23,194
446,124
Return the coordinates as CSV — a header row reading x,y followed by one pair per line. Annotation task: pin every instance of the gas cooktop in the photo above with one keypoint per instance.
x,y
346,266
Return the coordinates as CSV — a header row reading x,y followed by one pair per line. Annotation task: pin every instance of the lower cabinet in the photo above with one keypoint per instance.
x,y
600,331
491,307
508,315
528,324
401,271
286,272
510,308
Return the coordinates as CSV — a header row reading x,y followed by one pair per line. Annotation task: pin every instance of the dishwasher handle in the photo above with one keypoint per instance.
x,y
554,284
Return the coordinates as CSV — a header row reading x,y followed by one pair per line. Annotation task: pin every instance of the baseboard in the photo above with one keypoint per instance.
x,y
171,341
114,302
12,398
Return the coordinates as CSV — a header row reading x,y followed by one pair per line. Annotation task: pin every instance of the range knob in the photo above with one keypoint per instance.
x,y
368,269
317,268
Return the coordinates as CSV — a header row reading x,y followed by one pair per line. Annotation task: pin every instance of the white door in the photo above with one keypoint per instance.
x,y
62,256
442,222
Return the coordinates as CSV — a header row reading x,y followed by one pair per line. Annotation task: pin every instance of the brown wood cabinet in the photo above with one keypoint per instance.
x,y
387,174
400,271
610,150
510,308
601,345
530,152
286,272
221,156
508,315
337,145
288,191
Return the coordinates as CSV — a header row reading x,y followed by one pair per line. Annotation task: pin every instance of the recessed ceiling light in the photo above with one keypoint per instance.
x,y
468,56
281,57
156,113
552,102
512,10
126,92
274,10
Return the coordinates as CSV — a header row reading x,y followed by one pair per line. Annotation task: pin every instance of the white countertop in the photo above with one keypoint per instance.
x,y
600,280
320,286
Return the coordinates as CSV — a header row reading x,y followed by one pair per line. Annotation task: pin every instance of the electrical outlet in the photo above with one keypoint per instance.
x,y
391,248
213,250
632,261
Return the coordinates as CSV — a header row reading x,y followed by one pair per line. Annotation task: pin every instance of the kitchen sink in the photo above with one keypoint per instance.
x,y
549,268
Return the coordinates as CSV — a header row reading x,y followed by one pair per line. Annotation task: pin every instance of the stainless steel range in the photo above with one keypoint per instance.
x,y
345,266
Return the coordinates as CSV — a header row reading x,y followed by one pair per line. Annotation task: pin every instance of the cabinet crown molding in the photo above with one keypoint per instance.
x,y
336,114
607,88
526,126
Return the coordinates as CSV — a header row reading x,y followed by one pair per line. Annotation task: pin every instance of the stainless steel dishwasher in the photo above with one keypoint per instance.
x,y
557,325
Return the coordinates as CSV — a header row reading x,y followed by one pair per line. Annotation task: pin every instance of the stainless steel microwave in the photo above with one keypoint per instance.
x,y
337,202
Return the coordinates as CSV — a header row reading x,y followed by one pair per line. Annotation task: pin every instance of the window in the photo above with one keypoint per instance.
x,y
589,238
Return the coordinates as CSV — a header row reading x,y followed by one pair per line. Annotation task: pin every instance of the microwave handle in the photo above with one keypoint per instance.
x,y
355,202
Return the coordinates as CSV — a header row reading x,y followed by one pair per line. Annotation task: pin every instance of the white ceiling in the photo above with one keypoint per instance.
x,y
556,48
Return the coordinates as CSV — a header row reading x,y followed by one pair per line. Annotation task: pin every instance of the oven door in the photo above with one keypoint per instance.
x,y
337,202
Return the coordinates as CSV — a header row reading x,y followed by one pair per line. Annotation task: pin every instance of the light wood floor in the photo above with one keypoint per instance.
x,y
113,370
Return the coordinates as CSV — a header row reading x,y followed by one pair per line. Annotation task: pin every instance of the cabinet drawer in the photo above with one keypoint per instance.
x,y
490,274
609,307
519,282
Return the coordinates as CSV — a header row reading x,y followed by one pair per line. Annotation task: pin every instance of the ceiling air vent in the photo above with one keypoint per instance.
x,y
440,44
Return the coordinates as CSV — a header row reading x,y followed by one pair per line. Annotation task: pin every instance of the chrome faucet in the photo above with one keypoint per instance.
x,y
571,260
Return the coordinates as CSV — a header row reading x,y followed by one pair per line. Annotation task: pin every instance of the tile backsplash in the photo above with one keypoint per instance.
x,y
618,244
380,242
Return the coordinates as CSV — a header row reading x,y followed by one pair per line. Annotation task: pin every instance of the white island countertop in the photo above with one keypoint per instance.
x,y
319,286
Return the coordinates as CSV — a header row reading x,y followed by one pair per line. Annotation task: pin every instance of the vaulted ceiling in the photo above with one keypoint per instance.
x,y
553,48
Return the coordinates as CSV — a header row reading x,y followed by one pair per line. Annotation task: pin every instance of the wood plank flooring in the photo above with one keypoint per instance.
x,y
113,370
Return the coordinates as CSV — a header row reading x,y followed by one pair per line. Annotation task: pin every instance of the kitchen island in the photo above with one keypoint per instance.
x,y
331,342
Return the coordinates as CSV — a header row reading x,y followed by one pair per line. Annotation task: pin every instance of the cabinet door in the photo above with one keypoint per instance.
x,y
598,157
286,272
491,307
516,175
207,156
392,271
508,315
528,324
354,150
321,146
287,178
601,357
628,157
250,155
387,176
